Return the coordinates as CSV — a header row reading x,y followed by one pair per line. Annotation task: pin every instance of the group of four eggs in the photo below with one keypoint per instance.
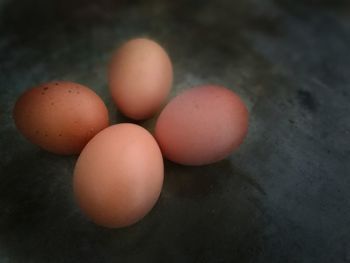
x,y
118,176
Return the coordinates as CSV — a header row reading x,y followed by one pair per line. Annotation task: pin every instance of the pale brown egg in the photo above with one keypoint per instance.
x,y
119,175
140,78
202,125
61,117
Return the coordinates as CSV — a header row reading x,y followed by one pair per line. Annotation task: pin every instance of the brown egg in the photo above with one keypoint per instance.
x,y
60,117
140,77
202,125
119,175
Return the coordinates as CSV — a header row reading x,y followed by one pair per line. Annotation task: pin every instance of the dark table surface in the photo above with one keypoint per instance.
x,y
283,197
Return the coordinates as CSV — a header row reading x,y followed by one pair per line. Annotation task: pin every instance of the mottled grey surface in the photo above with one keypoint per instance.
x,y
283,197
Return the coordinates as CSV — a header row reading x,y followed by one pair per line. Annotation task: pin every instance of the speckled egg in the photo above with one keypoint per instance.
x,y
61,117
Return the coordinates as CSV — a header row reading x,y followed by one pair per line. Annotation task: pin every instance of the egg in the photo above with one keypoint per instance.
x,y
202,125
140,77
119,175
61,117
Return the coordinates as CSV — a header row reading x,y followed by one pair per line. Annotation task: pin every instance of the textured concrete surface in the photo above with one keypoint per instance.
x,y
283,197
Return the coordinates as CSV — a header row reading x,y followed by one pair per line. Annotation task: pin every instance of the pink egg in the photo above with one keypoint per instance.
x,y
202,125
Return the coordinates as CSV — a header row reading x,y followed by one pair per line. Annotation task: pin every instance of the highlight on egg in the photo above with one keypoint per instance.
x,y
140,77
202,125
61,116
119,176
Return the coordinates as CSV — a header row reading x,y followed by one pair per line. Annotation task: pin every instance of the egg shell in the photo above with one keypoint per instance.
x,y
61,117
119,175
140,78
202,125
